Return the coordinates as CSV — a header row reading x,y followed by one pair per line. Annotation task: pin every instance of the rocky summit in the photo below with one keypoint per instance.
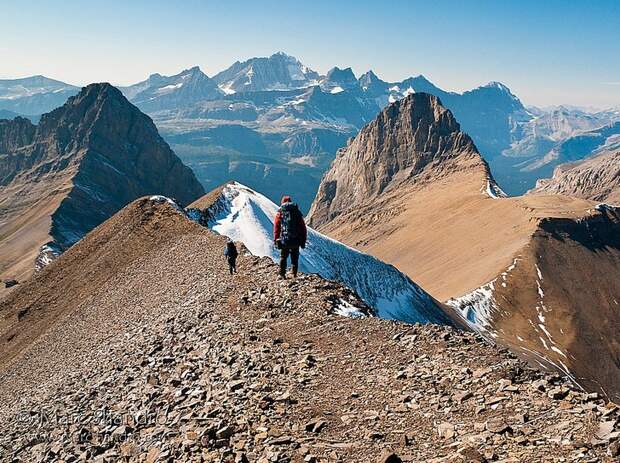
x,y
408,139
136,345
82,163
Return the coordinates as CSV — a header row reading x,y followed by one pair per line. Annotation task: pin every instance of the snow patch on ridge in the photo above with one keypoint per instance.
x,y
493,190
478,306
47,254
346,309
247,216
163,199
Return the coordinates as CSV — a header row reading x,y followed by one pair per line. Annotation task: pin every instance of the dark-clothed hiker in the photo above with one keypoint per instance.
x,y
289,234
231,255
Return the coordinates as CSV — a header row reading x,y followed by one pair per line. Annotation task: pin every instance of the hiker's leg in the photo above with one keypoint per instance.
x,y
295,260
283,258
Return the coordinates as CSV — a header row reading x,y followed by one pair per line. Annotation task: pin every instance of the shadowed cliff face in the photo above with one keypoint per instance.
x,y
82,163
13,135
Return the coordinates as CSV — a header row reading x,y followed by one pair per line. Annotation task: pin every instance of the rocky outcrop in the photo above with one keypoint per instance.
x,y
338,80
597,178
82,163
191,364
414,141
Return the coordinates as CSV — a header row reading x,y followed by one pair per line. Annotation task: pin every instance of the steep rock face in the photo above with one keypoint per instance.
x,y
536,273
597,178
84,161
409,137
13,135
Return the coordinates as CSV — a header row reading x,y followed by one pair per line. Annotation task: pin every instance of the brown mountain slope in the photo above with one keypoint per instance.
x,y
164,357
597,178
82,163
449,231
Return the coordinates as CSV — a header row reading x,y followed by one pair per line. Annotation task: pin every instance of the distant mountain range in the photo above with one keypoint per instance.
x,y
275,125
34,95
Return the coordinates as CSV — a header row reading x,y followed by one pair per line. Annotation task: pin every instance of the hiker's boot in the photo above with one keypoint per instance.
x,y
294,271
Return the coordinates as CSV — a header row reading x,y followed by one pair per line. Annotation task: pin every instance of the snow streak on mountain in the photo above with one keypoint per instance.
x,y
247,216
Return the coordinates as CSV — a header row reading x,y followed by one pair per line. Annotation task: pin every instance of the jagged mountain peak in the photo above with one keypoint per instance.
x,y
82,163
276,72
84,107
369,80
501,89
283,55
340,74
497,85
413,135
159,92
193,69
339,79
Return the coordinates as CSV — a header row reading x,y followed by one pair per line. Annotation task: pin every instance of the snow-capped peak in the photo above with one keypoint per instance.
x,y
244,215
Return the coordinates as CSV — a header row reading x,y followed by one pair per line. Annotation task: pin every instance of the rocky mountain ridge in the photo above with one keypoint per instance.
x,y
419,196
286,121
277,72
34,95
82,163
191,364
247,216
268,120
159,92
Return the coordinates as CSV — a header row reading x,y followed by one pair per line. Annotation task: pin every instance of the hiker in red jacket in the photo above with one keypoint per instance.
x,y
289,234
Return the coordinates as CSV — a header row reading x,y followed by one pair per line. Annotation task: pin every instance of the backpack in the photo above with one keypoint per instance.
x,y
231,250
290,219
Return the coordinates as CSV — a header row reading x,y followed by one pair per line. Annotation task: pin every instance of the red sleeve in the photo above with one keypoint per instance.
x,y
276,226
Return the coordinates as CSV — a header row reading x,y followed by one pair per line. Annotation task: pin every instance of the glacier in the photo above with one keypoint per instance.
x,y
247,216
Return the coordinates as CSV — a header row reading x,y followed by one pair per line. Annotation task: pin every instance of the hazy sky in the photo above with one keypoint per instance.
x,y
547,51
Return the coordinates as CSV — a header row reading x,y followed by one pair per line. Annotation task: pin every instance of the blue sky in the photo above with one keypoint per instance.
x,y
547,51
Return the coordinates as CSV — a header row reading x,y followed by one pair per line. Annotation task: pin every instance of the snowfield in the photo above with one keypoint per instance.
x,y
247,216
